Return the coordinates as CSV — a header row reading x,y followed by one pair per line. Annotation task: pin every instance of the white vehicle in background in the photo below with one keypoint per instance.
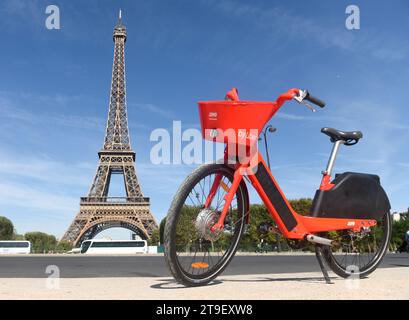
x,y
74,250
15,247
100,246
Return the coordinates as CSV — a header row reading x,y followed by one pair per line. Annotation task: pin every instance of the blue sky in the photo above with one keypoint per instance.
x,y
54,92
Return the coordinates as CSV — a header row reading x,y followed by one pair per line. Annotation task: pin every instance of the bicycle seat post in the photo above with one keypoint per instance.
x,y
332,157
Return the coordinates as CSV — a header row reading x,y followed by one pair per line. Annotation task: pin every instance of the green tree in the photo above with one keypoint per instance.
x,y
6,229
63,246
399,229
162,229
260,214
17,236
185,230
157,234
302,206
154,239
41,242
253,236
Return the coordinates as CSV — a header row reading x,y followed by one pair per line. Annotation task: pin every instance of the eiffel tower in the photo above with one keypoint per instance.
x,y
98,211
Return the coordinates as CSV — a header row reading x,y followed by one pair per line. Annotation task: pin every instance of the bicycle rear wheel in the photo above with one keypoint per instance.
x,y
193,253
359,254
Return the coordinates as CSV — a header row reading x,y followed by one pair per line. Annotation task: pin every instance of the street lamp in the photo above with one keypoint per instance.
x,y
270,129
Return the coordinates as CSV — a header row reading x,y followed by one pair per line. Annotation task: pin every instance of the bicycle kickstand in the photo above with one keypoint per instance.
x,y
318,254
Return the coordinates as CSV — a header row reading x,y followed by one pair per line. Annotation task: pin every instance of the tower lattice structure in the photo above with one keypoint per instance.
x,y
98,211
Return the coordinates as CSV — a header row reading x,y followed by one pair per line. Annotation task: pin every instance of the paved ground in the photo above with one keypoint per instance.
x,y
145,277
85,266
385,283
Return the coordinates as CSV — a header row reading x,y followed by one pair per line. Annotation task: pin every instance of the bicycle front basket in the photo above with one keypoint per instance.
x,y
238,122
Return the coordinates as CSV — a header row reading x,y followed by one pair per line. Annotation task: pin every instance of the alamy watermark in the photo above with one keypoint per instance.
x,y
52,21
53,280
189,147
354,280
353,20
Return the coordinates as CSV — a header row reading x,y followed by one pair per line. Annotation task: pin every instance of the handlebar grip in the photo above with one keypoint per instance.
x,y
314,100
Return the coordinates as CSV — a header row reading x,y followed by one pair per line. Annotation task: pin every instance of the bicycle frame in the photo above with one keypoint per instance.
x,y
291,224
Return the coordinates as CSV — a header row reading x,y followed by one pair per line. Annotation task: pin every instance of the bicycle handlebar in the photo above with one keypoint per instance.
x,y
294,93
299,95
314,100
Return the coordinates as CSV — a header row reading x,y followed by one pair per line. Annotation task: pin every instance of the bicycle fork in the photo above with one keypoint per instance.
x,y
228,198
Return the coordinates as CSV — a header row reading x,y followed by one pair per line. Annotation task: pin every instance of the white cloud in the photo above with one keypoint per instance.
x,y
288,116
23,196
20,13
13,166
36,189
12,107
285,24
166,113
392,54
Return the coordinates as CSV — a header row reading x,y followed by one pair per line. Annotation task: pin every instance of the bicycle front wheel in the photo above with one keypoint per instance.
x,y
194,254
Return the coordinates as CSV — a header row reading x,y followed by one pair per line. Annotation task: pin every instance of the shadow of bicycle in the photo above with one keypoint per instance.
x,y
171,284
292,279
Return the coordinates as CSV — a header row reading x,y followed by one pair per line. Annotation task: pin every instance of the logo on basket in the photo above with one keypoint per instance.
x,y
244,134
213,133
212,115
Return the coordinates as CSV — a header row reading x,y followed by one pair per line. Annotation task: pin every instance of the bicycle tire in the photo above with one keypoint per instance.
x,y
172,219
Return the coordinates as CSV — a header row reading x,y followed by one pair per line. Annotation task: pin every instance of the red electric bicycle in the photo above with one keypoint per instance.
x,y
349,222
